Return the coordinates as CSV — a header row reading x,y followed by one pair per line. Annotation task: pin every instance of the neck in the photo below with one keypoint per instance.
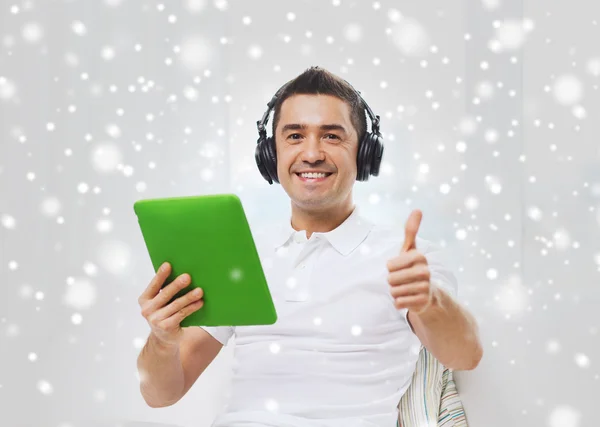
x,y
320,221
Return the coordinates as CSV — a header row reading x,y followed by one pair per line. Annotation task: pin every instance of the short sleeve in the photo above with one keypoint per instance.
x,y
440,270
220,333
407,321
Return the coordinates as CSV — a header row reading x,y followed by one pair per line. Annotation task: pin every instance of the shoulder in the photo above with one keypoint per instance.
x,y
264,236
392,237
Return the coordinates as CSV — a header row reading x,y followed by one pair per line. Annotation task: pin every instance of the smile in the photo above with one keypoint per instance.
x,y
312,178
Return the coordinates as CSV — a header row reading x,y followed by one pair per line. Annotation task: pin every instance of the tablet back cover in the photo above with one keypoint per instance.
x,y
209,238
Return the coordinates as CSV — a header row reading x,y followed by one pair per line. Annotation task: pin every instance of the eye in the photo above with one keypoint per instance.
x,y
328,134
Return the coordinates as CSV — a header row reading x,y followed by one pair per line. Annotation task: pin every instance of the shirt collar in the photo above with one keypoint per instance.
x,y
345,238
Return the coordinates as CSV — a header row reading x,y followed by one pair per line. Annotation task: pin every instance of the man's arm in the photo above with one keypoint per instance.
x,y
445,328
448,331
167,373
160,372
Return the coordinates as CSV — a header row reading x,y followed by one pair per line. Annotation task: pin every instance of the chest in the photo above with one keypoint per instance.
x,y
319,294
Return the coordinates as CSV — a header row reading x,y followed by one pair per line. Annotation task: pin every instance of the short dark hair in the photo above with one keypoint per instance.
x,y
319,81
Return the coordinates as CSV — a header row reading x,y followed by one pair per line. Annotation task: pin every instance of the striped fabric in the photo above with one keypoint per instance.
x,y
432,398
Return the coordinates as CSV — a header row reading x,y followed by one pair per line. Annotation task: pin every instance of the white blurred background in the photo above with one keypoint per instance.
x,y
489,115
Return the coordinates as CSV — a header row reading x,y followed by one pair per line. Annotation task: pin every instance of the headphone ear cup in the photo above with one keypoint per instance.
x,y
377,154
370,153
271,158
262,160
362,161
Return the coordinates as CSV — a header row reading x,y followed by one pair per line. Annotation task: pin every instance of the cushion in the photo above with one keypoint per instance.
x,y
432,398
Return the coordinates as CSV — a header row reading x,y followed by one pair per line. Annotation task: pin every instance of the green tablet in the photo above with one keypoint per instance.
x,y
209,238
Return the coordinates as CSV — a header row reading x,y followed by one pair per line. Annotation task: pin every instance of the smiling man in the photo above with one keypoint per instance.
x,y
355,299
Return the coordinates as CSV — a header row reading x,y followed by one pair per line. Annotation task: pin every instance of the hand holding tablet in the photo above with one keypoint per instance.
x,y
209,239
164,318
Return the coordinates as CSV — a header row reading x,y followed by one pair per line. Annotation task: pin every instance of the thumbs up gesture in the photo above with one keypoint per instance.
x,y
409,272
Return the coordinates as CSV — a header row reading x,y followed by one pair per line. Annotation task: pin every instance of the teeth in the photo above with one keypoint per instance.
x,y
313,175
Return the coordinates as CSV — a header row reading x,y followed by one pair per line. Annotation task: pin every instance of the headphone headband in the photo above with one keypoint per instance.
x,y
261,124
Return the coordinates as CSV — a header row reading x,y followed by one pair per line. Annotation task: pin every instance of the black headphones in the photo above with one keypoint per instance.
x,y
370,149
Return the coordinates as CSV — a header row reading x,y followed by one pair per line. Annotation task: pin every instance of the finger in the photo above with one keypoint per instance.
x,y
410,289
176,318
416,273
156,283
410,301
405,260
180,306
167,293
411,229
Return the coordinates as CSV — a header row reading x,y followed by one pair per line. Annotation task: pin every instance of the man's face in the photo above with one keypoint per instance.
x,y
304,142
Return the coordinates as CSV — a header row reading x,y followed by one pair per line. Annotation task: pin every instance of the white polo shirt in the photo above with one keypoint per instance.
x,y
340,353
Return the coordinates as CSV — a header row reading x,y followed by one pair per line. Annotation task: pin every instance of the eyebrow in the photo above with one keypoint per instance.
x,y
296,126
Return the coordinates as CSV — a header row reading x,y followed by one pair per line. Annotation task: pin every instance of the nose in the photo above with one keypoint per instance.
x,y
312,152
